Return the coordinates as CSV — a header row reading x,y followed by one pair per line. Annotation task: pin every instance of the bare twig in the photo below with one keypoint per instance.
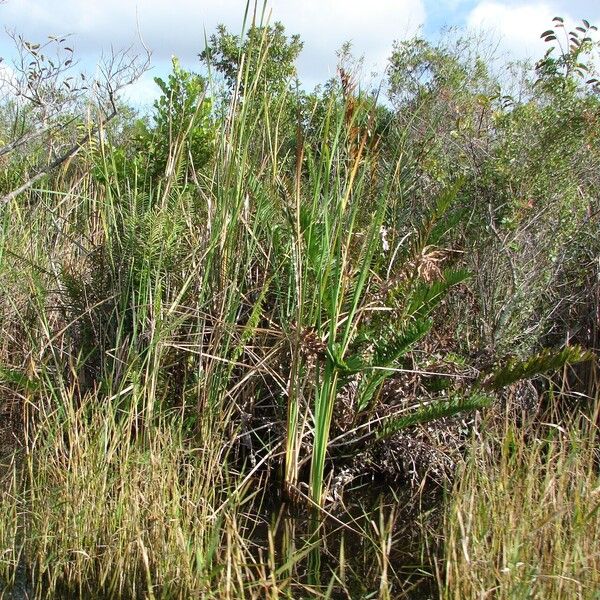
x,y
60,160
58,99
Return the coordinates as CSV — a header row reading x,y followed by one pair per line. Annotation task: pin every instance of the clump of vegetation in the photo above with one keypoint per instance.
x,y
523,518
227,319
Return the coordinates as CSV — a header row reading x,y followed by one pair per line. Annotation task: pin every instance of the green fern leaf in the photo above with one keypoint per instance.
x,y
547,360
437,410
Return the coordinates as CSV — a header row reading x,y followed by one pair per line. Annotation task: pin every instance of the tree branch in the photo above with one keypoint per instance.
x,y
62,158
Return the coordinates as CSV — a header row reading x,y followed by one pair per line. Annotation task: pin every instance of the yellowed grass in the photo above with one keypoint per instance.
x,y
524,520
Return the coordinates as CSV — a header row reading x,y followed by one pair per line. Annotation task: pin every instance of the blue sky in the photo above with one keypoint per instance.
x,y
178,26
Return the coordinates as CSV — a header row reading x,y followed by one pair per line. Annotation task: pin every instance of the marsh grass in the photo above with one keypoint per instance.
x,y
105,511
114,513
144,318
523,519
10,555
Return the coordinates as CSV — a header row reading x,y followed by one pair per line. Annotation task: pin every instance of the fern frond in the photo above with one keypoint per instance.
x,y
543,362
388,351
389,348
426,296
437,410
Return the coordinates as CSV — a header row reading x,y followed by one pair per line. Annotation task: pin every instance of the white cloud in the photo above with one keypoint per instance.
x,y
519,26
371,27
141,93
179,26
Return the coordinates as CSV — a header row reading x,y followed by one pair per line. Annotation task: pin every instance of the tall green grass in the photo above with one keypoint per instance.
x,y
104,510
142,307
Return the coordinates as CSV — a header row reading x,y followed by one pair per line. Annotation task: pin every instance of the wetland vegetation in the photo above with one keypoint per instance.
x,y
264,342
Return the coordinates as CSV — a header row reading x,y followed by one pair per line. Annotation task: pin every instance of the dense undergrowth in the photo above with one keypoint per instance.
x,y
268,343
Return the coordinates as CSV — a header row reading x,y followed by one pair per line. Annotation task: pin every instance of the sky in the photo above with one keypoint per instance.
x,y
180,27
